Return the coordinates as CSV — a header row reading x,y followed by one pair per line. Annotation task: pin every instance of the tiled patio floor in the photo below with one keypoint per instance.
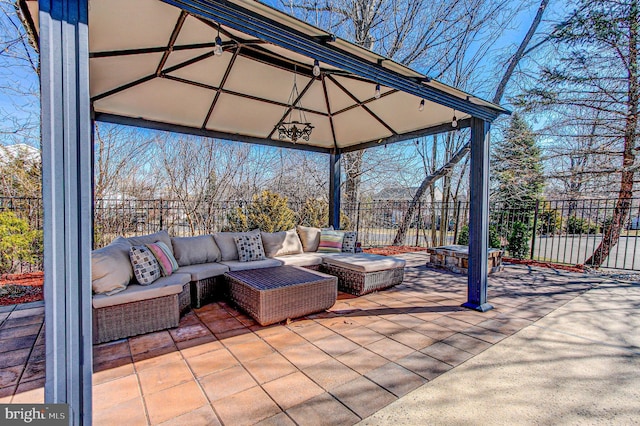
x,y
336,367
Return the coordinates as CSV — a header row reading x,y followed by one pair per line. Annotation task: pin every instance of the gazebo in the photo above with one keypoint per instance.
x,y
236,70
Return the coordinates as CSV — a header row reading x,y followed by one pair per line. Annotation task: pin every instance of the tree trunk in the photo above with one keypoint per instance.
x,y
461,153
427,182
623,204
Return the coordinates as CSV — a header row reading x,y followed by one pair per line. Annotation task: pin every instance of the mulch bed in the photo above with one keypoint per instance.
x,y
570,268
21,288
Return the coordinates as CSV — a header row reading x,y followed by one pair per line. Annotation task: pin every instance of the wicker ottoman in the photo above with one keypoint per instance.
x,y
275,294
363,273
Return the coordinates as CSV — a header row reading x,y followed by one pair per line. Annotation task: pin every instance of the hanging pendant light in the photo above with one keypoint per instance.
x,y
295,129
454,121
421,106
377,92
217,50
316,68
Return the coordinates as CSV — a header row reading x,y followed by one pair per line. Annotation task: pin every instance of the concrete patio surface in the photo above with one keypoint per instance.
x,y
580,364
558,348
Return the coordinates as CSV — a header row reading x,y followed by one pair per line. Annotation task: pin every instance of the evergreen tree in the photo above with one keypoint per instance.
x,y
517,168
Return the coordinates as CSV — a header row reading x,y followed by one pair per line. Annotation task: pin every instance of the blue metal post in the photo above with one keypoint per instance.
x,y
334,190
478,217
67,195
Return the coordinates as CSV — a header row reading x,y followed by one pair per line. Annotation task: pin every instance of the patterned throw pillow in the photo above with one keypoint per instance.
x,y
349,242
166,261
145,266
249,247
330,241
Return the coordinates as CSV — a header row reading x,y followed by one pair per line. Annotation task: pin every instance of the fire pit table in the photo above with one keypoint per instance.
x,y
275,294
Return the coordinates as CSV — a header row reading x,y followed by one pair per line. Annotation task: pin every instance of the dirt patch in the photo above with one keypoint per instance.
x,y
21,288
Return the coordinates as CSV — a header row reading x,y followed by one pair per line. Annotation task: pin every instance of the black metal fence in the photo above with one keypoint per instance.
x,y
562,231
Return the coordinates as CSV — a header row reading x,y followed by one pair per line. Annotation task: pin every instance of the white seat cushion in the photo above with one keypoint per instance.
x,y
236,265
364,262
302,259
203,271
164,286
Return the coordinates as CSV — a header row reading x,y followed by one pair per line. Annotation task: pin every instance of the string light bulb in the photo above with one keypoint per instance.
x,y
218,49
454,121
316,68
377,92
421,107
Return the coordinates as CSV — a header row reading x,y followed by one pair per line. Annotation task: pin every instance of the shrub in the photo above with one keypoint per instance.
x,y
549,222
314,213
463,236
494,236
18,243
519,240
267,211
578,225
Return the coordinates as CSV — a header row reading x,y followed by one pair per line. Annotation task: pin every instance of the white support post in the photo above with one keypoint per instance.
x,y
67,194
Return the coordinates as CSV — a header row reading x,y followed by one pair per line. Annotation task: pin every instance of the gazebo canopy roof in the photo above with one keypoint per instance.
x,y
153,64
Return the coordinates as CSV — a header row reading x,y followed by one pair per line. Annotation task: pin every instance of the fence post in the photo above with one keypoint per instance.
x,y
418,220
535,225
457,226
161,216
358,220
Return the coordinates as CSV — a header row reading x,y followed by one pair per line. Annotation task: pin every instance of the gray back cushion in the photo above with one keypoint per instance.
x,y
152,238
195,250
281,243
111,269
227,244
309,236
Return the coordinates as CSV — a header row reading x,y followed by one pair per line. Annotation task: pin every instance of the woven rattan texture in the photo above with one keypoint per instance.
x,y
184,299
130,319
276,277
359,283
283,298
206,291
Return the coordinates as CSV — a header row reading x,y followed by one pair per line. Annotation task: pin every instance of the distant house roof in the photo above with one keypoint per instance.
x,y
404,194
26,152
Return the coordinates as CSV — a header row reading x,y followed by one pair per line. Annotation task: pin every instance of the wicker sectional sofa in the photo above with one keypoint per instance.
x,y
123,308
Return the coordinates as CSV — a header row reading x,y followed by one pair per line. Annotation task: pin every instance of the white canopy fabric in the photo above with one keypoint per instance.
x,y
152,64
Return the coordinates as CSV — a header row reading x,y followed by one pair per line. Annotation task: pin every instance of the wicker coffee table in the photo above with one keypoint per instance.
x,y
275,294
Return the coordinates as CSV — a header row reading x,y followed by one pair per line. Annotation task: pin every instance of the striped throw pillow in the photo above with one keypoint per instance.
x,y
166,261
330,241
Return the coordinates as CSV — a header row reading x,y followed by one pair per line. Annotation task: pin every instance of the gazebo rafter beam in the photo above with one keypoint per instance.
x,y
145,50
364,106
326,100
222,83
172,41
